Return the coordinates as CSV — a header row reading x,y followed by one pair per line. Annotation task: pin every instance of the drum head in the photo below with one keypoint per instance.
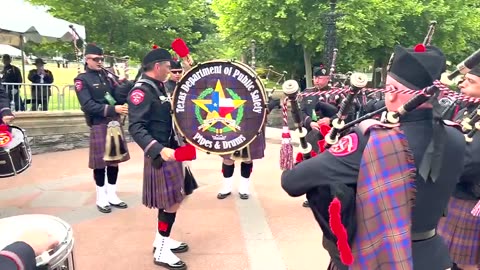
x,y
12,228
219,106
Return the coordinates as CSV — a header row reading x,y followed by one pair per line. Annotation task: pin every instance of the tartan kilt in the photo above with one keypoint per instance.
x,y
461,232
257,148
163,187
98,138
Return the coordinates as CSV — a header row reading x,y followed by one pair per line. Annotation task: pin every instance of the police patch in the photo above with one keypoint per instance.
x,y
137,96
345,146
78,85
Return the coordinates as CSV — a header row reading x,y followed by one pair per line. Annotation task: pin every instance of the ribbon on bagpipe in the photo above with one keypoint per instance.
x,y
77,50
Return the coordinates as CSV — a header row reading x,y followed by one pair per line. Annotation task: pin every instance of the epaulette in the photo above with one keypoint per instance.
x,y
366,125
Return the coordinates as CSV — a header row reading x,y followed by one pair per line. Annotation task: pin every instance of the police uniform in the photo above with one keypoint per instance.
x,y
385,209
460,228
170,85
4,103
151,126
18,255
93,88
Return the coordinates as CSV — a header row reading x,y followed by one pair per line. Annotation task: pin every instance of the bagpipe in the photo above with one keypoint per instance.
x,y
115,149
470,124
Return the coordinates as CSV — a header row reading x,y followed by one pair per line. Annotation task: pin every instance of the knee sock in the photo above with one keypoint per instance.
x,y
165,222
227,170
99,176
112,174
246,169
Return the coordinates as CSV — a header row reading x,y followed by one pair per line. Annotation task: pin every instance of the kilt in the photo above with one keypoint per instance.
x,y
461,232
257,148
163,187
98,137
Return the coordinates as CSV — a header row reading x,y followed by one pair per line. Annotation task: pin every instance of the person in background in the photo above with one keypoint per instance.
x,y
40,93
12,74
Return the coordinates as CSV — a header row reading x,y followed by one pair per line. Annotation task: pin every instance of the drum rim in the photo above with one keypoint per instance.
x,y
262,91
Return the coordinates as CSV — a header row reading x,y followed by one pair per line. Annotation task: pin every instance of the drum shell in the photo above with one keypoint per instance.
x,y
15,157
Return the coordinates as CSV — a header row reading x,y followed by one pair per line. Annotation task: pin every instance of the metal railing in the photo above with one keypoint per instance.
x,y
41,97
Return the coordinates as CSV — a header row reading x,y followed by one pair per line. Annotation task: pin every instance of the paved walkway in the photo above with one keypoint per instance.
x,y
270,231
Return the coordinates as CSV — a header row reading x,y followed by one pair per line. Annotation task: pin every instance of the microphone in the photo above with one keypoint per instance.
x,y
466,65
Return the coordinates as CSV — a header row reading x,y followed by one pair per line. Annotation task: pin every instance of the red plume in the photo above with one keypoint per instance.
x,y
334,211
419,48
180,47
299,158
155,46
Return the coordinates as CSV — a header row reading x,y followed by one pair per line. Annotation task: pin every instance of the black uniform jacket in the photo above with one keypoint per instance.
x,y
468,188
150,119
16,256
91,88
314,177
4,102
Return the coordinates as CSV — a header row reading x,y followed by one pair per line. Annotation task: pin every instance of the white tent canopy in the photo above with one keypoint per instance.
x,y
21,19
12,51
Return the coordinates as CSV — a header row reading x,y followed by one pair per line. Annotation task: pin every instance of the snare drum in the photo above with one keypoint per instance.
x,y
15,156
61,257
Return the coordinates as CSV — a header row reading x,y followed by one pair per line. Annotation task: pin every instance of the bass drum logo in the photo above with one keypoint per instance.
x,y
219,106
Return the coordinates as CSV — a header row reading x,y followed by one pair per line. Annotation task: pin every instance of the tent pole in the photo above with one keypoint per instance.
x,y
22,45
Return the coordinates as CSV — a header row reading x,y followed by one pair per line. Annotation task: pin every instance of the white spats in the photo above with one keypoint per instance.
x,y
163,254
227,186
244,186
112,194
102,200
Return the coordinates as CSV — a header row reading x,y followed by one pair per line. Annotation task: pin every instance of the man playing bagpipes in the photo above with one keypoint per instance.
x,y
151,126
376,200
461,226
95,90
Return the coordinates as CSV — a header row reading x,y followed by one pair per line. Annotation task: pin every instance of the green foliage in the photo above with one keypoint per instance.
x,y
131,27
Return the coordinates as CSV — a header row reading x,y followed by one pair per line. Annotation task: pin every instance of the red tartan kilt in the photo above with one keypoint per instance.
x,y
164,187
461,232
98,138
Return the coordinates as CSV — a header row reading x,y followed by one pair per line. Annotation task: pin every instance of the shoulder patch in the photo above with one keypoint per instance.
x,y
137,96
345,146
78,85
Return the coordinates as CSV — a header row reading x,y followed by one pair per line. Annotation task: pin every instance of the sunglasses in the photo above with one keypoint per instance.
x,y
176,72
97,59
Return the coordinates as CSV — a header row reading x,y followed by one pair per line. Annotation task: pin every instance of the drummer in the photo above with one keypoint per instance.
x,y
5,112
21,255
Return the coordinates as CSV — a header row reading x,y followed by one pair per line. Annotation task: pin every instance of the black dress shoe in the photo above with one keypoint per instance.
x,y
306,204
222,196
105,209
121,205
178,266
244,196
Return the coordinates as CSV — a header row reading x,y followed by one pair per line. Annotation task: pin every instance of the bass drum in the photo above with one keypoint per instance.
x,y
219,106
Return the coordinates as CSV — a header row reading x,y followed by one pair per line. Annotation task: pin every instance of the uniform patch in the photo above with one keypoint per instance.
x,y
78,85
137,96
345,146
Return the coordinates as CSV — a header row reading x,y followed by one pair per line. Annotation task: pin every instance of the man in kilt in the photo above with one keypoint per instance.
x,y
375,195
94,91
461,226
151,126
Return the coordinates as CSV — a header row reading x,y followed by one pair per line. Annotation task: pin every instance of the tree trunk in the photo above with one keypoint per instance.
x,y
307,59
377,75
243,58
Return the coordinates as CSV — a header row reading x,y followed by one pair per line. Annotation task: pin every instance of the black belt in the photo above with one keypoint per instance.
x,y
418,236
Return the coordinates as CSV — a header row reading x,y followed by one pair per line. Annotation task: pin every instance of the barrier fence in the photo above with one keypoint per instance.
x,y
41,97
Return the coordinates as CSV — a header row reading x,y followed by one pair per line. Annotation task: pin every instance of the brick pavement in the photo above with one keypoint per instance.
x,y
269,231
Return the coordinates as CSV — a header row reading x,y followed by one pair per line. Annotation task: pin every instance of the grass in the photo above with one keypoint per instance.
x,y
63,93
